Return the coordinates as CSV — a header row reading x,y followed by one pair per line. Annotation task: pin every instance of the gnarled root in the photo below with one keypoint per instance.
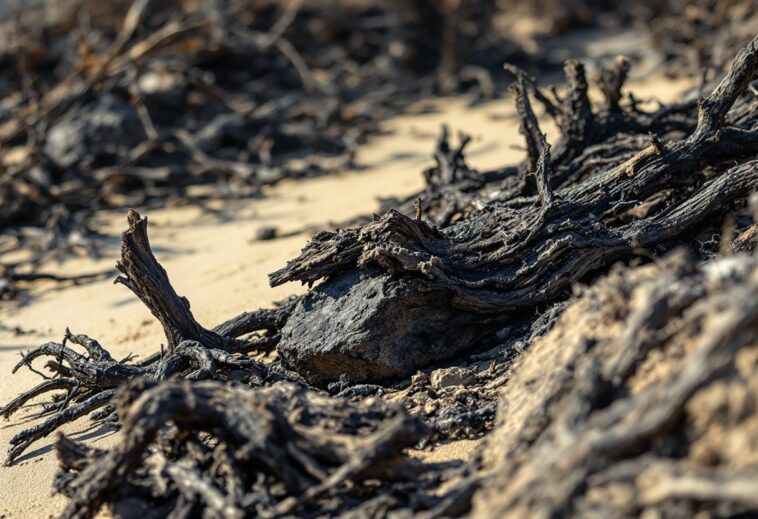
x,y
235,450
193,352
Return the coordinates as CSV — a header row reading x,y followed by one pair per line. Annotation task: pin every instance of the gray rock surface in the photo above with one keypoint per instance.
x,y
373,329
109,125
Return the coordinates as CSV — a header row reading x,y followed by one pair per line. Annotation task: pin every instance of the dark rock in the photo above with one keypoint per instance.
x,y
266,233
109,126
374,328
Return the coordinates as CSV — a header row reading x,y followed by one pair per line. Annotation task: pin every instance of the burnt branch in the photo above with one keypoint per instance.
x,y
194,352
542,175
528,125
144,276
576,123
612,80
507,258
255,439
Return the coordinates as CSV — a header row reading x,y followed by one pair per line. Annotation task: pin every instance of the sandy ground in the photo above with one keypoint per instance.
x,y
215,262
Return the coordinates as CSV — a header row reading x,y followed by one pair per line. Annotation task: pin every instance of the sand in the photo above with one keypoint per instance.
x,y
217,264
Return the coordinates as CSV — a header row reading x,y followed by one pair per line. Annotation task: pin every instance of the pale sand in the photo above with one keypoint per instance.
x,y
450,451
222,272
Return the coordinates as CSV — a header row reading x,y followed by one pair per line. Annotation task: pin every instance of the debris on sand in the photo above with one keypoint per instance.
x,y
592,310
135,103
151,103
236,452
645,401
618,181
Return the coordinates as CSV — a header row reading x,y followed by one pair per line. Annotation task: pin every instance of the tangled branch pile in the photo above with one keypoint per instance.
x,y
618,181
258,447
134,102
139,102
703,34
641,396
